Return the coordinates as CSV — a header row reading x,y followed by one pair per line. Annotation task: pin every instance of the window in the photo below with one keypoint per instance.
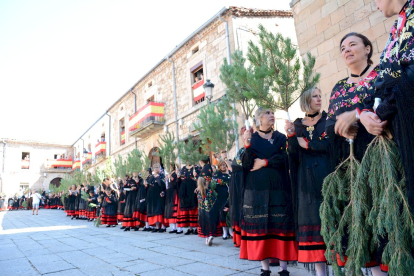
x,y
25,160
24,186
149,84
195,50
122,131
102,137
197,78
151,99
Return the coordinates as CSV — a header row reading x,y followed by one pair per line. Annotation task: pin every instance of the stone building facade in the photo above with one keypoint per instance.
x,y
320,25
31,164
150,108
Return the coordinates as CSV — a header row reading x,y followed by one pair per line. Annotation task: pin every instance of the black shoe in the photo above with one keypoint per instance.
x,y
180,232
189,231
173,231
71,218
284,273
108,226
195,232
127,229
265,272
155,230
225,238
113,225
146,229
123,227
162,230
136,228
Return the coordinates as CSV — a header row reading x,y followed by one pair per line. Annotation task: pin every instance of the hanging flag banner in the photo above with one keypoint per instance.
x,y
198,90
100,148
151,109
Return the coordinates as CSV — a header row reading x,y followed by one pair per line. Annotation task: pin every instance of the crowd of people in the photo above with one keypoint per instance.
x,y
267,198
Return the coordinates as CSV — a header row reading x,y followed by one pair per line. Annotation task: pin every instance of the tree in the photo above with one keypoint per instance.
x,y
189,152
216,127
168,149
120,167
136,162
237,79
275,76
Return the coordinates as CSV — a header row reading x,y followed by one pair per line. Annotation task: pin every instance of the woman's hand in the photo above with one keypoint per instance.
x,y
289,127
344,122
372,123
247,136
258,164
352,132
196,190
302,143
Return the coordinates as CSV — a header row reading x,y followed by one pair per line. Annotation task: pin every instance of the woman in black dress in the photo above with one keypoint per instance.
x,y
72,201
140,208
308,162
109,206
222,177
171,200
345,105
187,204
236,189
130,189
268,230
155,199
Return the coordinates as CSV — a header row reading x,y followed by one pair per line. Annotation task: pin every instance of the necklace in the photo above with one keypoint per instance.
x,y
312,116
363,72
266,132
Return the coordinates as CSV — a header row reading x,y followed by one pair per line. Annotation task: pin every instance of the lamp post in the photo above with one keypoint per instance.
x,y
208,88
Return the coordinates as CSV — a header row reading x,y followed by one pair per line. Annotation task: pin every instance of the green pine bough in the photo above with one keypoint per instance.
x,y
390,215
369,203
168,149
341,195
216,127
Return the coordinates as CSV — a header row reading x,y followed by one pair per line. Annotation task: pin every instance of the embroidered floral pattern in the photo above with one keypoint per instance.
x,y
399,42
345,95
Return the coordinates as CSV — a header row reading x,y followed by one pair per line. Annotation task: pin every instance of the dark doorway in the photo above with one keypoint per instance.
x,y
56,182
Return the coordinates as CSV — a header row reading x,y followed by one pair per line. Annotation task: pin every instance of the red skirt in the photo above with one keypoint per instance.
x,y
91,214
82,213
158,218
71,212
140,219
46,207
110,220
129,222
187,218
311,252
236,236
175,212
120,217
383,267
219,232
259,247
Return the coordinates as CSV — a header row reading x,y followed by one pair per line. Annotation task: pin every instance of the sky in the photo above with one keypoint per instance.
x,y
63,63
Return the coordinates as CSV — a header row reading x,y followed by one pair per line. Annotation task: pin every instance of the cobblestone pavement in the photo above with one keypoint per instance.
x,y
52,244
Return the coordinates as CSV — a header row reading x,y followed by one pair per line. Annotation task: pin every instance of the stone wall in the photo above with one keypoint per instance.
x,y
320,25
36,176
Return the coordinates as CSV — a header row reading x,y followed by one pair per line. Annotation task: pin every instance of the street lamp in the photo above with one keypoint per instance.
x,y
208,88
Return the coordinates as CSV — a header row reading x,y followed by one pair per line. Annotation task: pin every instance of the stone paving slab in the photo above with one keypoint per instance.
x,y
52,244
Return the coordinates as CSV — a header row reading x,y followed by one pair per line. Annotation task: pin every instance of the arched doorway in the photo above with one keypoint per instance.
x,y
154,156
56,181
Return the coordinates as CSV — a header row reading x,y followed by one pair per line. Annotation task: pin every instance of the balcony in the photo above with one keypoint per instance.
x,y
100,149
198,92
88,159
58,165
148,120
76,165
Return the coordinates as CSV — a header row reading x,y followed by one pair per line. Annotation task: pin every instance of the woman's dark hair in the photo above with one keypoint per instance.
x,y
365,40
